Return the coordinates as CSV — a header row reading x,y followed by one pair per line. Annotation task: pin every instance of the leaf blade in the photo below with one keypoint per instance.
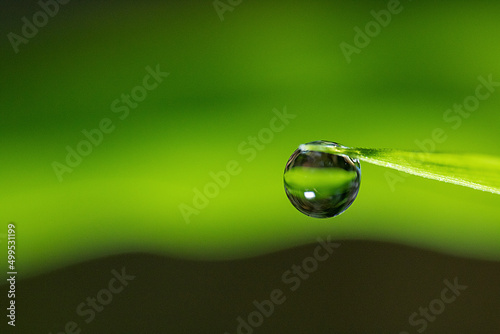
x,y
481,172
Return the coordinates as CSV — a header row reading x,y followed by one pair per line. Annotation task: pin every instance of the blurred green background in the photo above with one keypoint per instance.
x,y
226,78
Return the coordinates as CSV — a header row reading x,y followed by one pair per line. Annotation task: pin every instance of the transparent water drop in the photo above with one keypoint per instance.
x,y
319,184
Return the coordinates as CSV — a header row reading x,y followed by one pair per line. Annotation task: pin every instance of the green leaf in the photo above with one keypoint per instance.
x,y
476,171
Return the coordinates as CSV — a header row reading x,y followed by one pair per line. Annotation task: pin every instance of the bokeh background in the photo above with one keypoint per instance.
x,y
122,205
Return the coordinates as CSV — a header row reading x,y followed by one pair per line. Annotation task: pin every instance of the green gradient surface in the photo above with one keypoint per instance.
x,y
228,80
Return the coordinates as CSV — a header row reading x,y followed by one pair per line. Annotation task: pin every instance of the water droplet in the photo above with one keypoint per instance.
x,y
320,184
